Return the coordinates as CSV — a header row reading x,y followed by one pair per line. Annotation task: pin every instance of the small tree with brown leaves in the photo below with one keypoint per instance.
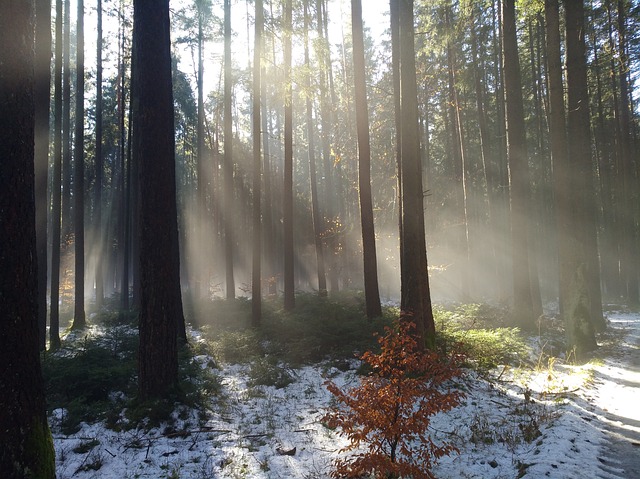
x,y
390,411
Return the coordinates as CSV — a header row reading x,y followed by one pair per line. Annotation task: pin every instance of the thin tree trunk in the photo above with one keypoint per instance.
x,y
228,157
100,232
289,285
256,275
56,183
371,291
79,319
42,98
67,221
331,207
313,182
629,213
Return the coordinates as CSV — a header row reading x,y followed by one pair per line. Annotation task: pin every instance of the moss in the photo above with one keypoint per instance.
x,y
39,445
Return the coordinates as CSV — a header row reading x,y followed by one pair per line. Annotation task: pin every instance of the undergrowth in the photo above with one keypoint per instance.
x,y
93,377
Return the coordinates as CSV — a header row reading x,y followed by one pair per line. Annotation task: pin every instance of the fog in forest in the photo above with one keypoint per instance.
x,y
464,152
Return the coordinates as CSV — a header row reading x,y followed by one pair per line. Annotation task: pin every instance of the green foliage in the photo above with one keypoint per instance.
x,y
478,330
94,378
268,372
389,412
319,328
82,375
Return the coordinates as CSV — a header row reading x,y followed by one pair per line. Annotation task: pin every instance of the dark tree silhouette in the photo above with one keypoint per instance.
x,y
26,448
161,318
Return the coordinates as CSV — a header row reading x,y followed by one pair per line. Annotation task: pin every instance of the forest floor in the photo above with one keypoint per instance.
x,y
545,418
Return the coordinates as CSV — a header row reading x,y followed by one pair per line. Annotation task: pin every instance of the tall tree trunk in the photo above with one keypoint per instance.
x,y
289,285
256,270
26,447
200,230
331,207
67,221
56,184
518,171
559,149
371,291
313,181
485,149
228,157
99,227
397,113
459,168
42,98
629,214
79,319
578,315
415,293
161,318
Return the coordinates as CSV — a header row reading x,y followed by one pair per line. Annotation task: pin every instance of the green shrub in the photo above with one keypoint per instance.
x,y
480,331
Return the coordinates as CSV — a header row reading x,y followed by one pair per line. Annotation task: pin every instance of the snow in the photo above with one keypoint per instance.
x,y
546,421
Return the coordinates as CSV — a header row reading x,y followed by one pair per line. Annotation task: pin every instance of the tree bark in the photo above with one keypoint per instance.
x,y
42,98
518,171
415,293
26,447
79,319
256,270
289,293
56,193
99,233
371,291
313,181
161,318
228,157
578,317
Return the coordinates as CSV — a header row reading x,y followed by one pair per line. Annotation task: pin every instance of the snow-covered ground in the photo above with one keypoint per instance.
x,y
553,420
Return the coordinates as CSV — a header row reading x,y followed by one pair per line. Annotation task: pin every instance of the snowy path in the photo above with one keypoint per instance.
x,y
617,400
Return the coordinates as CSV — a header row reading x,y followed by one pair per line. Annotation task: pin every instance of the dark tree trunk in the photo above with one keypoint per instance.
x,y
42,98
289,284
397,118
67,221
79,319
578,313
415,293
26,447
99,233
201,279
56,184
559,151
313,181
161,318
256,270
227,211
629,214
371,291
518,171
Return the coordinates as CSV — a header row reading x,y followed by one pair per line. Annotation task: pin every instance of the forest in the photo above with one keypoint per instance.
x,y
200,189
